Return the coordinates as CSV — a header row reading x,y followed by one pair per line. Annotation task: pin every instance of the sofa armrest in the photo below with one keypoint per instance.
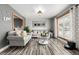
x,y
14,37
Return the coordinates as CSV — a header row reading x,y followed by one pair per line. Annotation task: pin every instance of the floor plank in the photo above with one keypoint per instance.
x,y
55,47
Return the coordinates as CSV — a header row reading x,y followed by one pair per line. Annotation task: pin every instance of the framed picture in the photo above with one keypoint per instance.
x,y
38,24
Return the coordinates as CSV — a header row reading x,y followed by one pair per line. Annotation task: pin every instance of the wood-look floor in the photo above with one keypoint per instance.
x,y
55,47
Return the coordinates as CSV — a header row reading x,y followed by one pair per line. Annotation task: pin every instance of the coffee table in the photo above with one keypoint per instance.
x,y
43,40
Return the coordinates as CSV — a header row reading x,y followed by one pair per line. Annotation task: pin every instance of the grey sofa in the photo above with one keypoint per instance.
x,y
17,40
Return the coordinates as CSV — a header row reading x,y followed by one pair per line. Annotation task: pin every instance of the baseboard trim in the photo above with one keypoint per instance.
x,y
4,48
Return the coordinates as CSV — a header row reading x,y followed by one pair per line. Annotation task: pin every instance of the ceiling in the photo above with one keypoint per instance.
x,y
29,10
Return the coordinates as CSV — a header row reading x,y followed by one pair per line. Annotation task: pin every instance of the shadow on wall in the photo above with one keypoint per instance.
x,y
52,25
4,41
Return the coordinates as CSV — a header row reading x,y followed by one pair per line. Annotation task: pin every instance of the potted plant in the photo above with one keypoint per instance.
x,y
44,34
27,29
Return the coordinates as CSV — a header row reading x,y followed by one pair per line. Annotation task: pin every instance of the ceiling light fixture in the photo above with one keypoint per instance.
x,y
39,11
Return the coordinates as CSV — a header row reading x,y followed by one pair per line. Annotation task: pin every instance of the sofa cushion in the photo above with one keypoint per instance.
x,y
12,33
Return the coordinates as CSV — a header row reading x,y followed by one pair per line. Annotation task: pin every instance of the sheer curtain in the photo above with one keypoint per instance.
x,y
65,26
68,25
76,16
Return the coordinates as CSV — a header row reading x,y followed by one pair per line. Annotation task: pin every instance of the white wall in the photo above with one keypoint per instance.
x,y
29,23
55,28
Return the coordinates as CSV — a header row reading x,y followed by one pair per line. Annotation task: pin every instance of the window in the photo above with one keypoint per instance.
x,y
65,26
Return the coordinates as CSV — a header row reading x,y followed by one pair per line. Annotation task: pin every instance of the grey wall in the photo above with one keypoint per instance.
x,y
29,23
52,24
5,26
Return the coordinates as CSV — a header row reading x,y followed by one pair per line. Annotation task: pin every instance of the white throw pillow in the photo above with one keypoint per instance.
x,y
23,33
18,32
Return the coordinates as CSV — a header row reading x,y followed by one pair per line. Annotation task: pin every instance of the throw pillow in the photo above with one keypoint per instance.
x,y
18,32
23,33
